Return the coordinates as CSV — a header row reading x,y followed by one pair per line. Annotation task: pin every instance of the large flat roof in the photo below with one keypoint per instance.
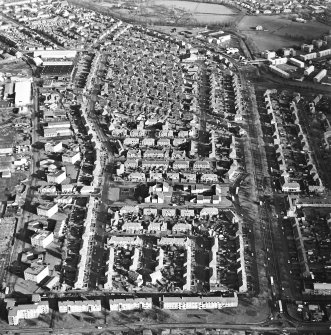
x,y
22,93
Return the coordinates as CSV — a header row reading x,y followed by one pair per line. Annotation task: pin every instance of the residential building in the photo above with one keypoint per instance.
x,y
53,147
291,187
209,178
310,69
124,240
173,176
322,288
296,62
181,165
36,273
200,302
131,164
128,304
148,142
269,54
320,76
42,239
181,228
188,178
132,227
157,226
48,209
79,306
26,311
308,56
57,132
150,211
137,177
201,165
279,71
57,177
67,188
71,157
187,212
131,141
169,212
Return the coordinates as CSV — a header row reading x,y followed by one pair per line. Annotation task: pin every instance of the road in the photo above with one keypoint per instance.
x,y
23,220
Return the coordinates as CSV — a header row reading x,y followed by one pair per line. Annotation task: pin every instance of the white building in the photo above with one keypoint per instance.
x,y
48,209
42,239
22,93
200,302
79,306
269,54
57,177
36,273
53,147
279,71
297,62
57,132
291,187
6,149
27,311
309,70
130,304
320,76
71,157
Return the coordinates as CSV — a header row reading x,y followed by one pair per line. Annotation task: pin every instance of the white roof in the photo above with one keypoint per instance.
x,y
22,93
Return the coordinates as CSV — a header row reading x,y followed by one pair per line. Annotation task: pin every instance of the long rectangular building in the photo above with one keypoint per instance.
x,y
199,302
27,311
79,306
130,304
22,93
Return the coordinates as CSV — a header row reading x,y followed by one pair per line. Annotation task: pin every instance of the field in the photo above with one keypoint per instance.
x,y
16,68
279,31
173,11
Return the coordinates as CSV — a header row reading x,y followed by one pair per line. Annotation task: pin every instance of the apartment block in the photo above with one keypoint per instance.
x,y
79,306
48,209
36,273
57,177
212,302
130,304
42,239
26,311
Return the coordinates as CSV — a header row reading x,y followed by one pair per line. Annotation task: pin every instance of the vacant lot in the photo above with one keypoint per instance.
x,y
279,31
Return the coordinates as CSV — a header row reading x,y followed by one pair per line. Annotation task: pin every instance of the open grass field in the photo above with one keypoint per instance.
x,y
173,11
279,31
